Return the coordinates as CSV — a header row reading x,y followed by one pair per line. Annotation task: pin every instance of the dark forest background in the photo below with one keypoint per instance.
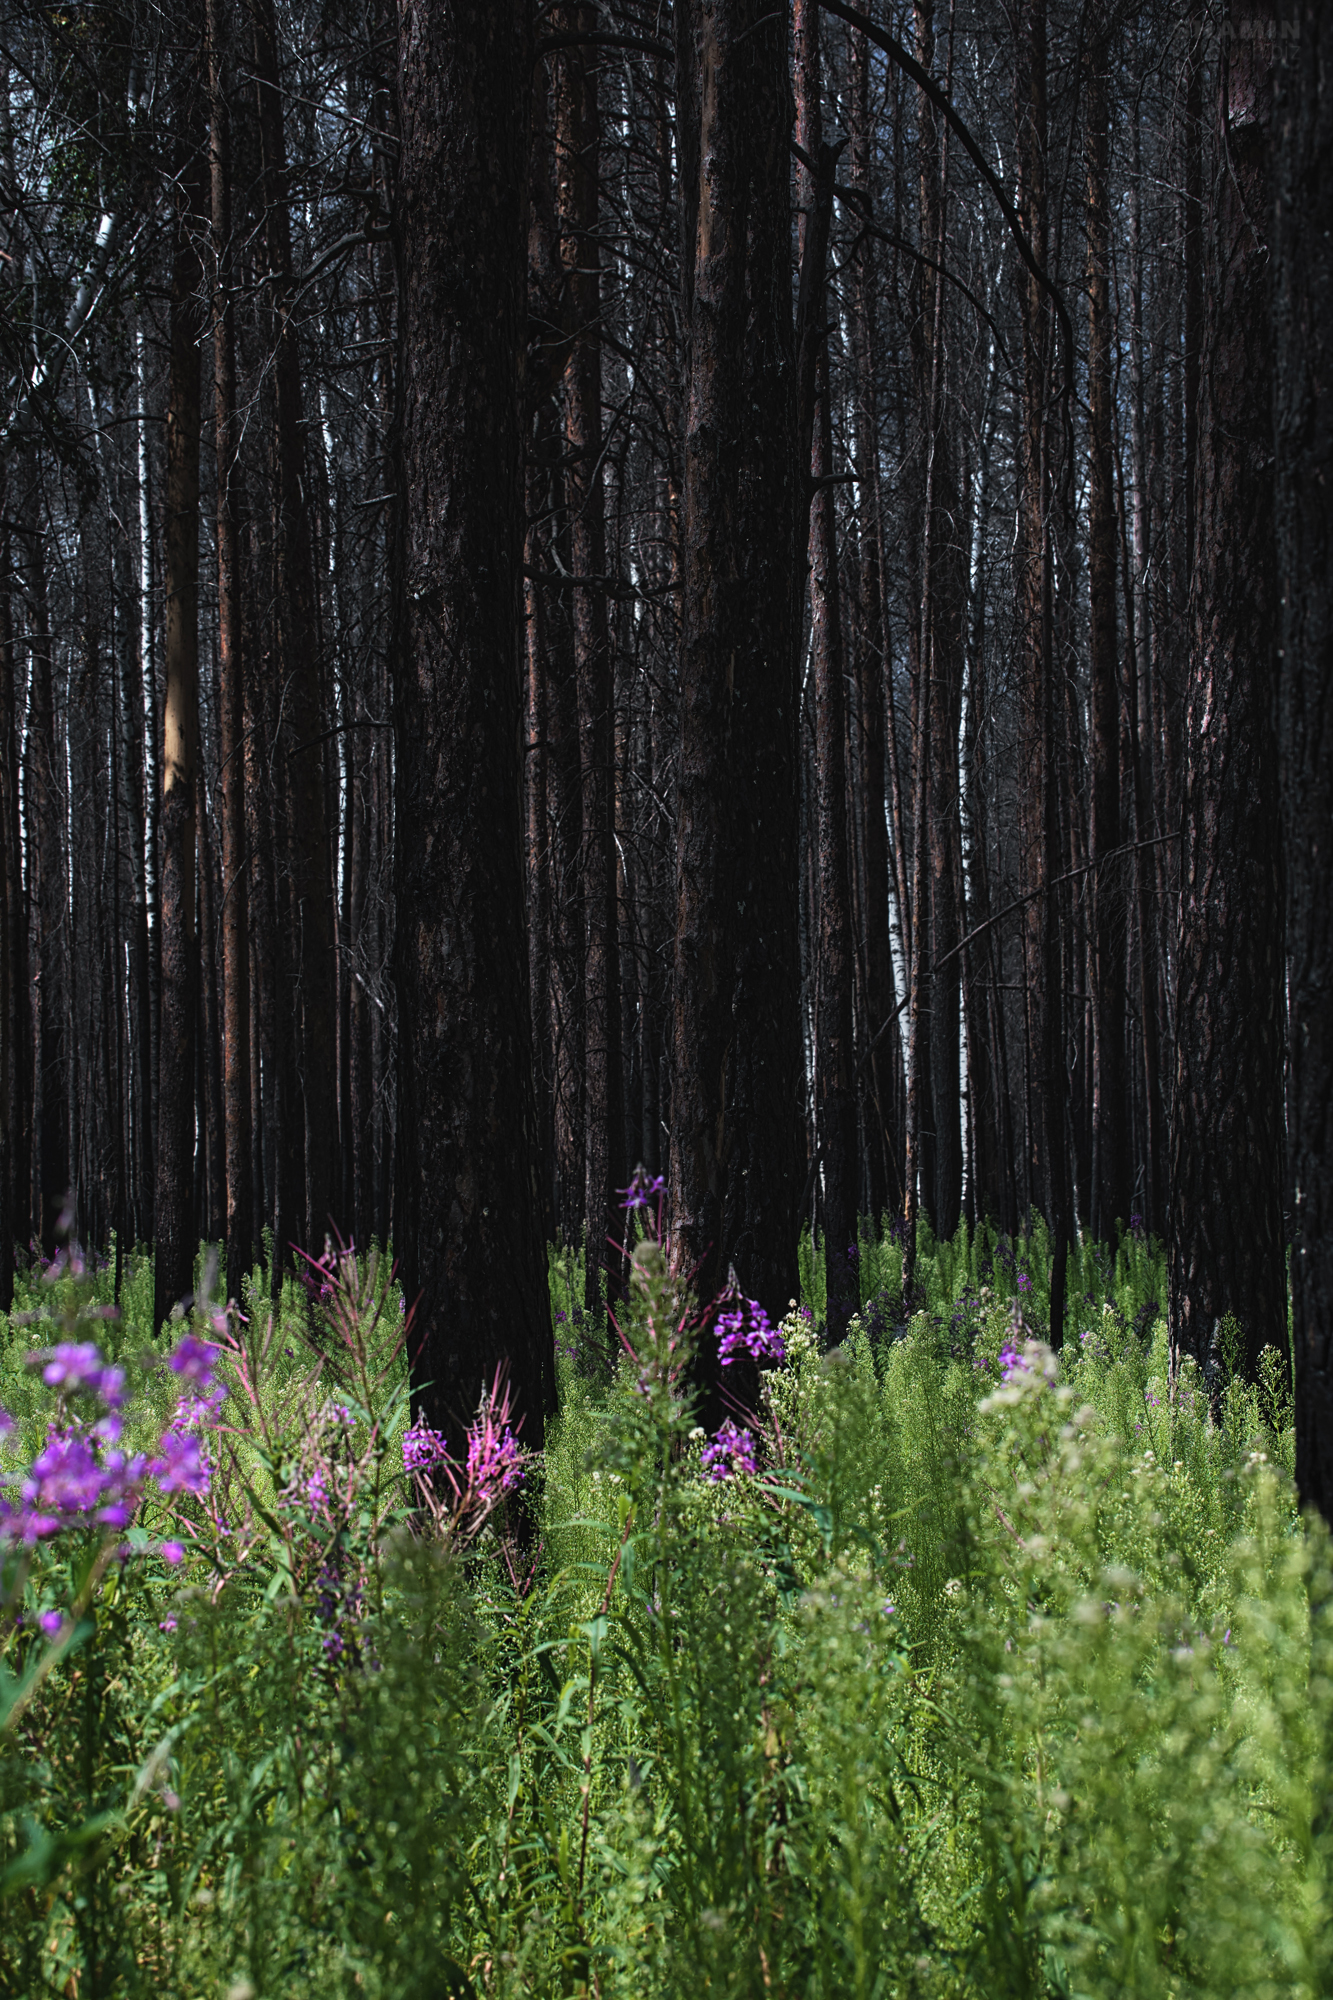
x,y
733,591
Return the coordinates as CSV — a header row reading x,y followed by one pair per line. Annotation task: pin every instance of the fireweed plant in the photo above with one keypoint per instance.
x,y
949,1667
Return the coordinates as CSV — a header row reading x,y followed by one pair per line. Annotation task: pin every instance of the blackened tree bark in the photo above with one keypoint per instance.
x,y
884,1065
174,1218
736,1100
467,1215
302,741
1225,1249
1038,711
1110,1110
1304,413
211,1151
48,899
835,1055
943,597
14,1039
231,681
577,152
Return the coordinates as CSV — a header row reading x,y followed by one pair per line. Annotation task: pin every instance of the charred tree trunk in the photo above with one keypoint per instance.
x,y
174,1220
835,1056
1226,1251
577,148
467,1222
883,1068
1110,1165
44,800
299,653
14,1039
737,1092
212,1210
1039,715
1304,330
231,685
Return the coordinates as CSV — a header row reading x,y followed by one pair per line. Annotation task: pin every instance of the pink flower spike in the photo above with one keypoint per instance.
x,y
182,1467
50,1622
194,1359
172,1552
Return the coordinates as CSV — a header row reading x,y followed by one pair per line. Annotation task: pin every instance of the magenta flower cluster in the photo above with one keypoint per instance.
x,y
642,1192
494,1458
194,1360
76,1365
731,1451
78,1477
423,1448
1012,1362
745,1329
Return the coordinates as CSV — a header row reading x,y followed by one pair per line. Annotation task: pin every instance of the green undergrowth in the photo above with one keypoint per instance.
x,y
999,1675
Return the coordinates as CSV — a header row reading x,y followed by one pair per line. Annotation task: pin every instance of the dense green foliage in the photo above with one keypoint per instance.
x,y
1000,1675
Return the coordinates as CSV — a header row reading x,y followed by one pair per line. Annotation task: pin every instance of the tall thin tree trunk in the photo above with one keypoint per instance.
x,y
212,1116
736,1124
303,743
231,679
44,801
467,1222
1110,1183
13,946
1304,347
871,670
835,1059
1226,1250
175,1223
1039,715
737,1091
577,147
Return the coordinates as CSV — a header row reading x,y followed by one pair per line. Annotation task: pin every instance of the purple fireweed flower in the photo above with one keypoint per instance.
x,y
77,1364
6,1423
124,1476
193,1412
1024,1282
50,1622
194,1359
642,1192
182,1467
1012,1362
65,1477
745,1329
494,1458
731,1451
172,1552
423,1447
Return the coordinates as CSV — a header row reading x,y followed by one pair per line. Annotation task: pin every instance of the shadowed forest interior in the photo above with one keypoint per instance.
x,y
612,586
666,998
